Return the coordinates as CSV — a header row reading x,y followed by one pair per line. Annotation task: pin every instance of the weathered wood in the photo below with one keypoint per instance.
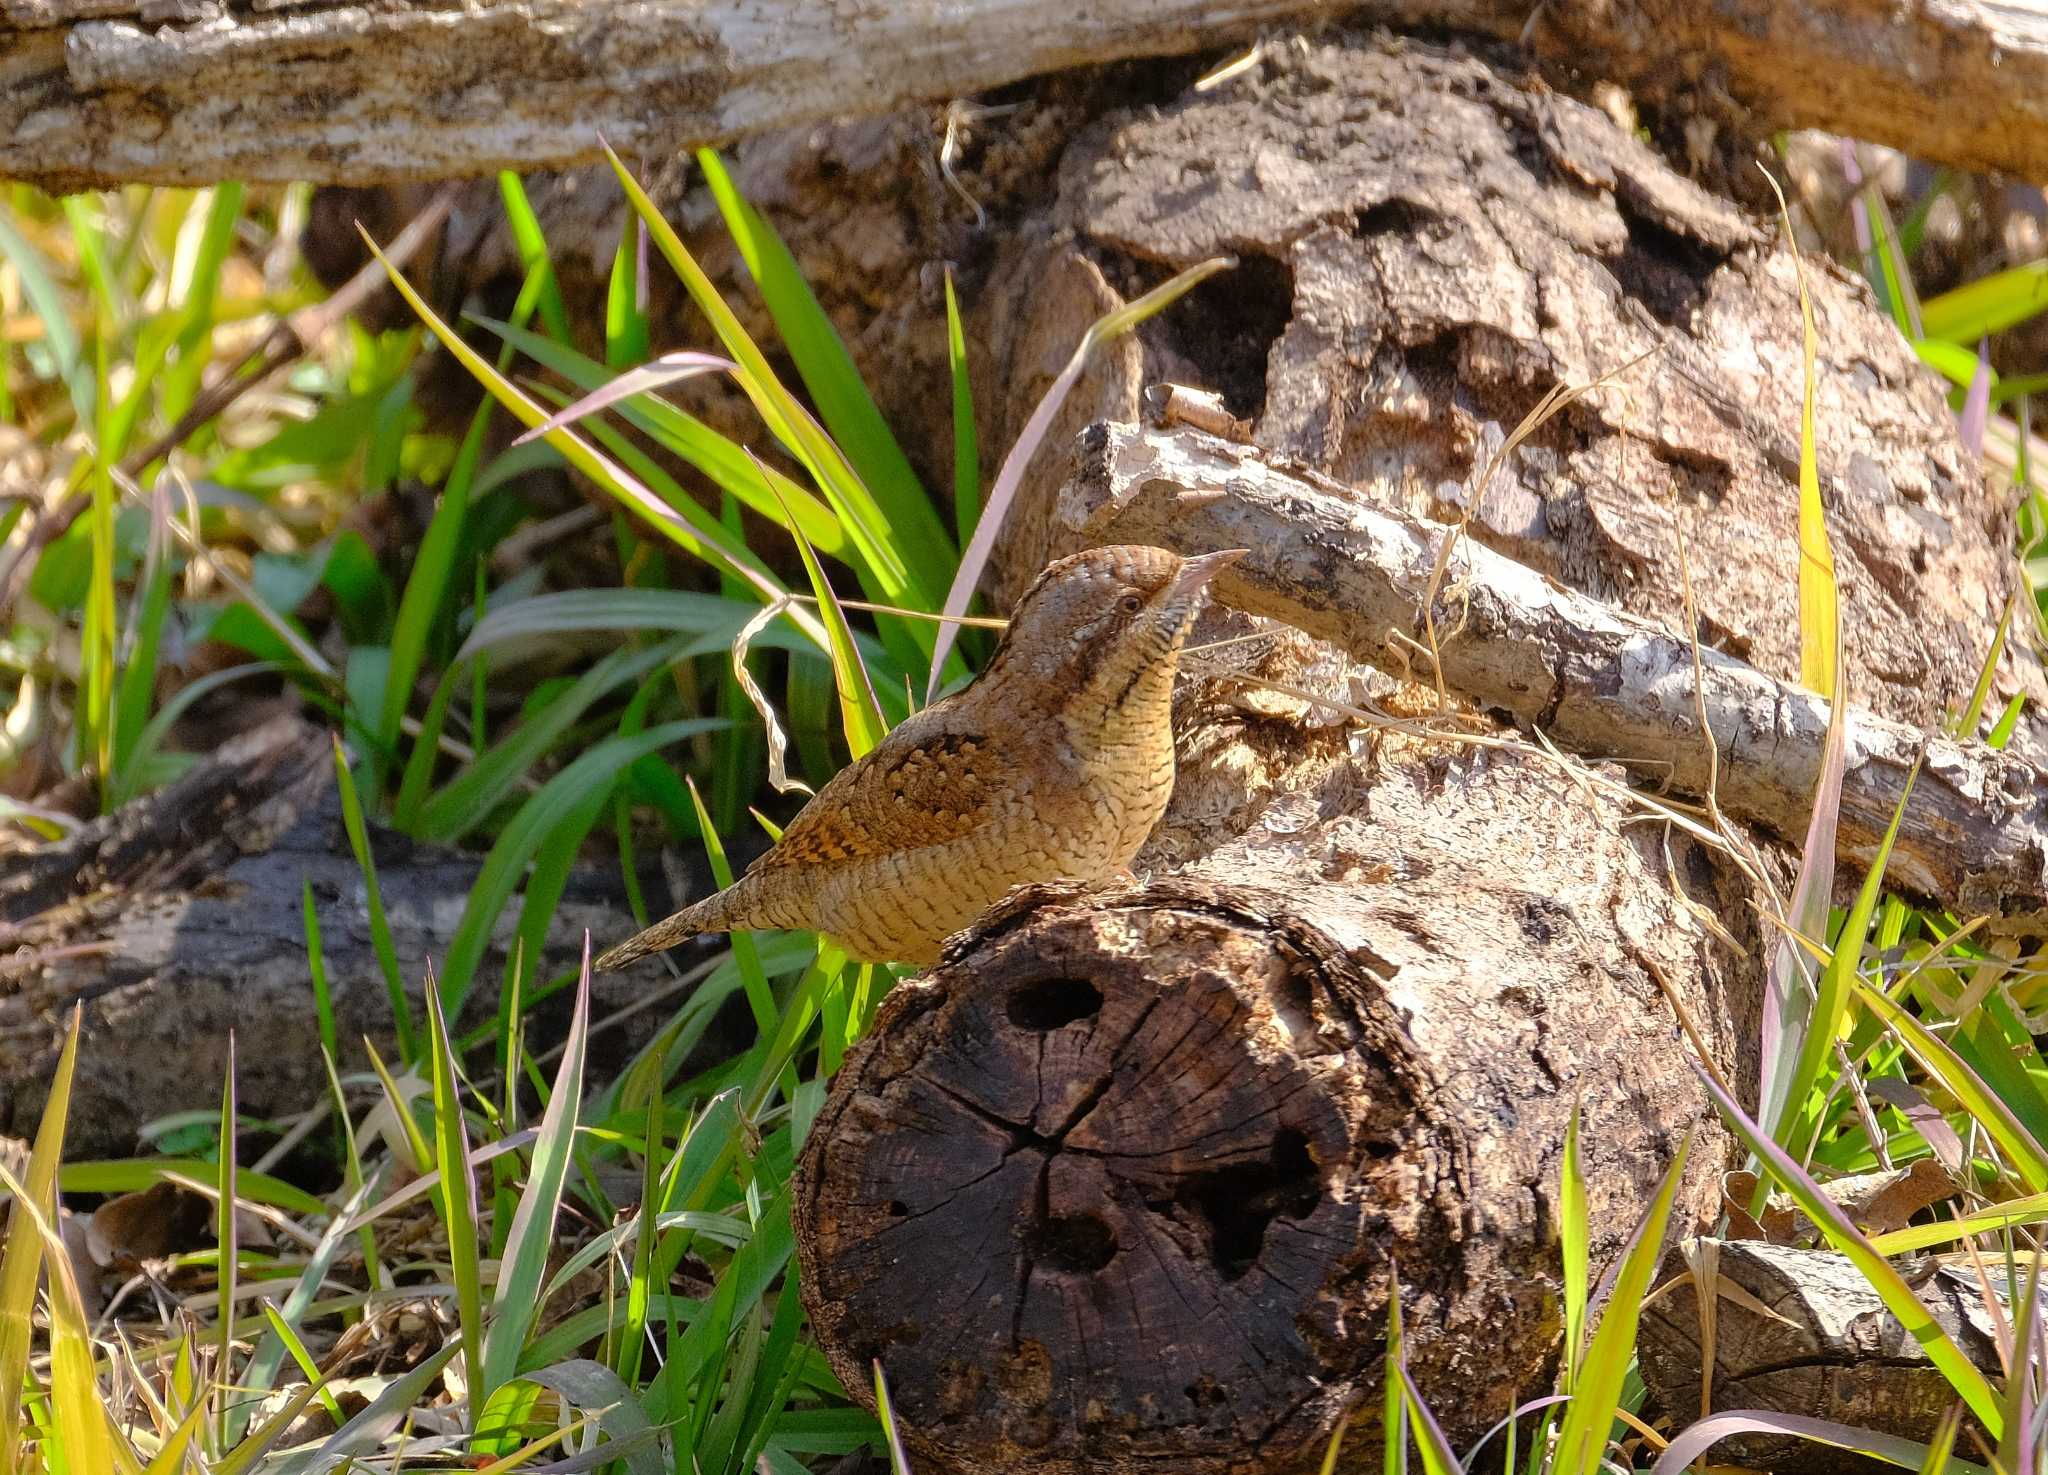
x,y
1593,678
353,94
1410,290
1122,1184
178,918
1837,1354
103,92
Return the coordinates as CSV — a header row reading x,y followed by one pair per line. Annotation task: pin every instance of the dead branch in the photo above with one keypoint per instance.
x,y
1594,679
103,92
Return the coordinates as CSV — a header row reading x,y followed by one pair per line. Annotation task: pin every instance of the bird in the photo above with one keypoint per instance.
x,y
1053,764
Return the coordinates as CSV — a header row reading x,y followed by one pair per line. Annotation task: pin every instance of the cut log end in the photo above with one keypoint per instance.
x,y
1124,1162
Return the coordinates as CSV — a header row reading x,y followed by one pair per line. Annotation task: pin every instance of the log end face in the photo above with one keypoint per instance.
x,y
1103,1192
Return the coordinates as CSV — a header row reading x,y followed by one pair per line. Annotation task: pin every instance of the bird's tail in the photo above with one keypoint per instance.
x,y
712,914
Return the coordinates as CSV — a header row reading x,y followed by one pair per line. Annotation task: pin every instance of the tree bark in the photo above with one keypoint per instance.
x,y
178,920
105,92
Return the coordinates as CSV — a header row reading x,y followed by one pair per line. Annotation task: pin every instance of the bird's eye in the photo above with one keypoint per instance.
x,y
1130,604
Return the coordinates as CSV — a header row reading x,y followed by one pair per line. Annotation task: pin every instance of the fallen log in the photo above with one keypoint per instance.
x,y
1594,679
178,919
1123,1184
1399,958
106,92
1822,1346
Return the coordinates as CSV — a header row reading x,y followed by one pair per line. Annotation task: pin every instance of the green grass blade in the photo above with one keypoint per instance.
x,y
746,952
269,1355
467,800
1980,695
2011,1214
46,301
316,965
363,1434
835,385
1837,984
181,384
1940,1060
626,339
1952,361
380,925
713,620
1990,304
81,1430
885,576
1106,329
1438,1458
1393,1394
230,1253
719,457
860,715
569,793
607,474
426,587
135,689
1575,1235
532,244
513,1307
966,439
1582,1438
129,779
899,1462
2008,722
22,1260
127,1175
456,1194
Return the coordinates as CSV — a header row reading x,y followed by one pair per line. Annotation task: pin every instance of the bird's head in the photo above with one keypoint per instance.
x,y
1106,627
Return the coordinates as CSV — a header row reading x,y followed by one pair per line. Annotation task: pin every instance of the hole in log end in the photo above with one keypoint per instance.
x,y
1237,1205
1080,1243
1047,1004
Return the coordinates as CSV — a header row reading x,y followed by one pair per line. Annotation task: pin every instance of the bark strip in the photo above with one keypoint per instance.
x,y
1597,680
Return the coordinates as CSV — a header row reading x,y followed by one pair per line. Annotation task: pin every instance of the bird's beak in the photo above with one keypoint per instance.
x,y
1195,574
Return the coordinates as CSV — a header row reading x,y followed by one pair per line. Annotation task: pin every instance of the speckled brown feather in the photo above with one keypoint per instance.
x,y
1055,764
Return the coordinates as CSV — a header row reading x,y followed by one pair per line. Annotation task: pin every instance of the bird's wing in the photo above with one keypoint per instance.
x,y
923,784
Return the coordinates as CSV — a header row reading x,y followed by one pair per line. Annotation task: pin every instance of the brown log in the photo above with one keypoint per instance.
x,y
1123,1183
103,92
178,919
1831,1350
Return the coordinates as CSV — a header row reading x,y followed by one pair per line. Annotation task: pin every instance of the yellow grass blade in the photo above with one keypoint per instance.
x,y
1819,613
24,1257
